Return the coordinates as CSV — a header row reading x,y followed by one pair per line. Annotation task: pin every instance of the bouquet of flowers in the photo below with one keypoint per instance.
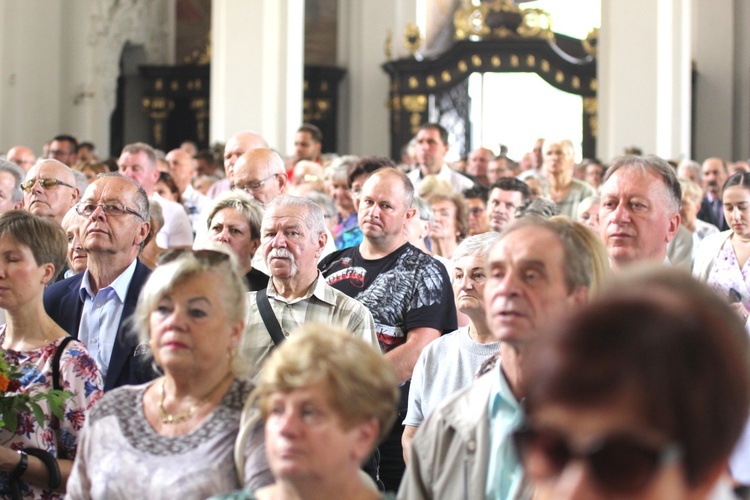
x,y
12,402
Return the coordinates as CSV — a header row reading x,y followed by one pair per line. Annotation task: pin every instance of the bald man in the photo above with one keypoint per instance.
x,y
479,161
236,146
22,156
49,190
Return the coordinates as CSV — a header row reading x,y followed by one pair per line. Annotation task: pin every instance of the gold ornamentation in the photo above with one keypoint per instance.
x,y
413,82
500,19
476,60
495,61
412,38
387,46
462,67
545,65
416,103
575,82
559,76
590,108
594,85
445,76
591,42
431,81
530,60
514,61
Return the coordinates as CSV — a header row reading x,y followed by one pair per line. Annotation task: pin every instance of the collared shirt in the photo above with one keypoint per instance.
x,y
322,304
504,472
458,182
101,315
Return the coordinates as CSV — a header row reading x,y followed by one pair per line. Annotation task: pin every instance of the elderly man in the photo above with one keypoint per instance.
x,y
11,195
22,156
292,237
407,291
537,272
714,173
95,305
432,146
236,146
138,162
183,169
506,195
260,173
49,190
478,163
640,210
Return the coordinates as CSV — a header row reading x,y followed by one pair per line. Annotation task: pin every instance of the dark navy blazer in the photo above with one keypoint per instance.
x,y
129,363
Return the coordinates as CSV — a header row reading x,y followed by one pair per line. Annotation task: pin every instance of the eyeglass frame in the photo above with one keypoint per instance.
x,y
105,209
26,187
253,187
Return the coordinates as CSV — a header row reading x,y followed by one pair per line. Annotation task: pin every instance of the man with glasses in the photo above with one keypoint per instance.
x,y
64,148
138,162
49,190
95,305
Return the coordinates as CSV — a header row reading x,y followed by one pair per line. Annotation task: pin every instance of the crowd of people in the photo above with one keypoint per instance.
x,y
348,327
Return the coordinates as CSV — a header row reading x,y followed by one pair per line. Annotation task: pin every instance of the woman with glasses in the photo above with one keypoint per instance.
x,y
35,459
174,437
643,394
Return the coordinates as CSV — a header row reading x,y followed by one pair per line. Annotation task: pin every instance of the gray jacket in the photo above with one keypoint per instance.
x,y
450,451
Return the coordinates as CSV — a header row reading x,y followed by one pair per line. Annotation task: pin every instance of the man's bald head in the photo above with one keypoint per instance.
x,y
239,144
22,156
261,174
182,167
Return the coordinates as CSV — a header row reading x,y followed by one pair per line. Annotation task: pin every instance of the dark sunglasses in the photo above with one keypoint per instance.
x,y
618,463
207,256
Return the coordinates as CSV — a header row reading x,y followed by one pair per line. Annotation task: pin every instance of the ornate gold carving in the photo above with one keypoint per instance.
x,y
157,109
500,19
575,82
446,76
495,61
315,109
174,85
158,84
530,60
199,105
431,81
200,55
413,82
591,42
387,46
412,38
476,60
559,76
545,65
462,66
416,103
594,85
591,108
514,61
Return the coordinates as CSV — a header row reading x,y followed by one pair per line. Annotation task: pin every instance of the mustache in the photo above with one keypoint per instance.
x,y
281,253
713,183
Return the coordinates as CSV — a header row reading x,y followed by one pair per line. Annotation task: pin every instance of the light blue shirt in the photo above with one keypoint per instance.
x,y
504,472
101,315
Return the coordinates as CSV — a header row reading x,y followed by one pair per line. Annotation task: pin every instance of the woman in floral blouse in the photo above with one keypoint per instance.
x,y
32,252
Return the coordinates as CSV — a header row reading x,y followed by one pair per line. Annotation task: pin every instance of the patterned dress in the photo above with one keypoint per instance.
x,y
79,377
728,279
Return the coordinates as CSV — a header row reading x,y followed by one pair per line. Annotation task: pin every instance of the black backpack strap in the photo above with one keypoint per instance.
x,y
269,318
56,363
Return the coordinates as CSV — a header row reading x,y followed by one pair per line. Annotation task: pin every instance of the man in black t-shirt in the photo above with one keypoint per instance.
x,y
407,291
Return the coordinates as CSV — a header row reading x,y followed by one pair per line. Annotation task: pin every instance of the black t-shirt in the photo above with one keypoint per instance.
x,y
407,289
256,280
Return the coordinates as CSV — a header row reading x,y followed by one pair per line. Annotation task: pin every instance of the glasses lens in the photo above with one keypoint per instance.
x,y
48,183
544,453
624,465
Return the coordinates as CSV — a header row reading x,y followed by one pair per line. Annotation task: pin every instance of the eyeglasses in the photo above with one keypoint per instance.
x,y
208,256
45,183
618,463
109,209
253,186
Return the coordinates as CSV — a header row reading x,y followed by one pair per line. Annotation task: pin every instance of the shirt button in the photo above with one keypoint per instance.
x,y
286,334
99,304
93,341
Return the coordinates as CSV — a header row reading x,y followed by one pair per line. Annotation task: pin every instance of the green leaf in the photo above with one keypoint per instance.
x,y
38,413
11,420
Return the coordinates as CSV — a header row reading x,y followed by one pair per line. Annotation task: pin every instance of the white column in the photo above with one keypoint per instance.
x,y
363,28
257,69
644,77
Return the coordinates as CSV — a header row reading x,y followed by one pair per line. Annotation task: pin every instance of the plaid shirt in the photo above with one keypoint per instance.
x,y
322,304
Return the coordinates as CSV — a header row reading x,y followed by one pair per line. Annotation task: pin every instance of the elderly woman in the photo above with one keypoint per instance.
x,y
652,409
722,258
174,437
450,362
33,250
76,256
692,196
451,223
346,232
326,399
558,168
234,220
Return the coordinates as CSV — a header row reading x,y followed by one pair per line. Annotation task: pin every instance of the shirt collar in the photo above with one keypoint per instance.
x,y
120,285
501,394
319,289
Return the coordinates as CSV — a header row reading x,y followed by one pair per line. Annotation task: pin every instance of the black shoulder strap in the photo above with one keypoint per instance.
x,y
269,318
56,363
